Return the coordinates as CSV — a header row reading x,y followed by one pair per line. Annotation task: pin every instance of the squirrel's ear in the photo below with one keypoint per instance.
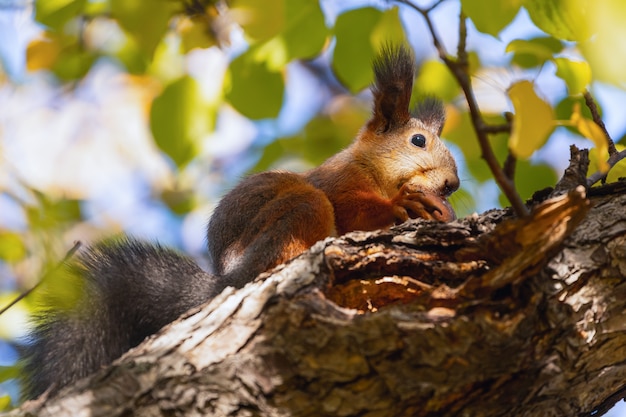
x,y
432,113
394,70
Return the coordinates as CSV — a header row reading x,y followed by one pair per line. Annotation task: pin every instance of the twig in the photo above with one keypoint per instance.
x,y
460,72
494,129
434,6
612,161
591,104
509,166
66,258
461,49
424,12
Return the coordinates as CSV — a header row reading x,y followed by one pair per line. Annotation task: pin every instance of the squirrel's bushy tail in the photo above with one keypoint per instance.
x,y
104,302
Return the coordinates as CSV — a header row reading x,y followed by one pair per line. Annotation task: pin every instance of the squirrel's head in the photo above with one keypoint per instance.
x,y
407,140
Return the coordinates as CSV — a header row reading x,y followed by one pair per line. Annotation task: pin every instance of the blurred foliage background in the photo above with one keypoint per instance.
x,y
135,116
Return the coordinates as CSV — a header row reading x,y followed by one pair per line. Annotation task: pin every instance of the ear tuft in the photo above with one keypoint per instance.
x,y
394,70
432,113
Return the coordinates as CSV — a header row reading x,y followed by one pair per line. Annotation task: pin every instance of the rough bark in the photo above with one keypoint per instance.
x,y
485,316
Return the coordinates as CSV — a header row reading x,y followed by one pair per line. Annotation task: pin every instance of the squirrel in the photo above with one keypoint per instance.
x,y
125,290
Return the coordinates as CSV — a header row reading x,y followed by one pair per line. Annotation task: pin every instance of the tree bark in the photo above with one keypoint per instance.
x,y
490,315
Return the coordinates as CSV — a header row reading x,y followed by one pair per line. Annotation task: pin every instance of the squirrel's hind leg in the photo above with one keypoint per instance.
x,y
282,228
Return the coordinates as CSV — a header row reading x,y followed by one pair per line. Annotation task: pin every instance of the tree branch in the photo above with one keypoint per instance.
x,y
509,166
459,69
501,128
490,315
612,161
595,114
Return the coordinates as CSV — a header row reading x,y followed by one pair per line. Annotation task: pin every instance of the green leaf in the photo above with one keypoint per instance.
x,y
563,19
12,247
272,153
56,13
305,32
563,110
194,34
260,20
50,213
388,30
95,8
576,74
533,52
321,138
179,119
180,201
353,54
530,178
146,21
293,29
256,90
9,372
131,56
463,202
167,64
63,54
491,16
360,33
73,63
533,122
460,131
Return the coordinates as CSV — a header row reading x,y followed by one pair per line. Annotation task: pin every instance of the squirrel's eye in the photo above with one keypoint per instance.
x,y
419,140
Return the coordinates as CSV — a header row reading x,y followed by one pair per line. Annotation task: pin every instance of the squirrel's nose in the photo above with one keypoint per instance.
x,y
451,185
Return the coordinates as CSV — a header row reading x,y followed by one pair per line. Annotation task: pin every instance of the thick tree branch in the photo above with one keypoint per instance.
x,y
575,173
491,315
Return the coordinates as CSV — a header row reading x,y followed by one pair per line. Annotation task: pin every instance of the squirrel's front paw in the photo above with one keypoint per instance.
x,y
415,204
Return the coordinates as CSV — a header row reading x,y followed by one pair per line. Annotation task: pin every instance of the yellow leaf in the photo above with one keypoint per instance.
x,y
590,130
606,50
5,402
617,171
436,79
12,247
533,122
42,54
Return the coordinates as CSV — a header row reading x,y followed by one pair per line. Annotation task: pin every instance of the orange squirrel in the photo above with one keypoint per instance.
x,y
125,290
396,168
